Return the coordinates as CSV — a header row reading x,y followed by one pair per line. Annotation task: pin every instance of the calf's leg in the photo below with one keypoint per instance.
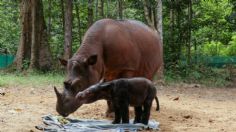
x,y
138,114
110,109
117,115
125,111
146,112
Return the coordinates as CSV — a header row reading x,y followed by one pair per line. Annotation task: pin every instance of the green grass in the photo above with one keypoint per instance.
x,y
212,77
35,80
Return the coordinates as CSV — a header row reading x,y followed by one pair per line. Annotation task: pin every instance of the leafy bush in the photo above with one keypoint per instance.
x,y
214,48
231,50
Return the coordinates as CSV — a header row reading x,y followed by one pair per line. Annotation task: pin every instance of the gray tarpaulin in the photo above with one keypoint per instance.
x,y
51,124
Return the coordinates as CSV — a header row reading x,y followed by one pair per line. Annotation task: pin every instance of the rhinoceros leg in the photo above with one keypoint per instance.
x,y
113,76
110,109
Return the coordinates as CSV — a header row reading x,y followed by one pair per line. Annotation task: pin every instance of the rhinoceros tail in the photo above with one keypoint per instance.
x,y
158,106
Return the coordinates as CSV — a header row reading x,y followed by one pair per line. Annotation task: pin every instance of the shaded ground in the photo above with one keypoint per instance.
x,y
183,108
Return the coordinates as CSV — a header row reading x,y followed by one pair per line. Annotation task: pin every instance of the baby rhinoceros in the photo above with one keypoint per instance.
x,y
138,92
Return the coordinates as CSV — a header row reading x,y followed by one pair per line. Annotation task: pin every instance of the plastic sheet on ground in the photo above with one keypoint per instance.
x,y
51,124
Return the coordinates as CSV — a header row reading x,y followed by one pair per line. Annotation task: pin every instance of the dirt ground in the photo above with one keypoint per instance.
x,y
190,108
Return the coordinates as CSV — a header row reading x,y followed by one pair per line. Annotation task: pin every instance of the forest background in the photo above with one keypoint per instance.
x,y
199,36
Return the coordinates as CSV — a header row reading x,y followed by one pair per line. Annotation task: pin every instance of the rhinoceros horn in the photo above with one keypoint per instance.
x,y
57,93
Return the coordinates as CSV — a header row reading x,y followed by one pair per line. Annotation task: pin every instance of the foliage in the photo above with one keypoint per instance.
x,y
9,27
214,49
207,18
231,50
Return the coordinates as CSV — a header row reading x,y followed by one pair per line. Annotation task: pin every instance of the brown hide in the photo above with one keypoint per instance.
x,y
124,48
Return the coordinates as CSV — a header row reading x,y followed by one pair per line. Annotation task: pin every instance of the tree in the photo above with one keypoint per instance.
x,y
78,20
171,30
160,73
189,31
107,9
120,9
101,8
68,30
23,54
148,13
34,36
49,16
96,9
159,19
62,14
33,47
90,12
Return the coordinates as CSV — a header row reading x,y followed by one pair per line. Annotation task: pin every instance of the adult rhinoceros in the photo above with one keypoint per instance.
x,y
110,49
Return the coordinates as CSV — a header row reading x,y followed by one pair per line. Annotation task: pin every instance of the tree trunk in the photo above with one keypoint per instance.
x,y
120,9
78,19
90,12
159,19
96,10
62,15
49,16
189,31
45,56
33,48
68,30
171,30
23,52
160,72
148,14
179,40
101,8
108,8
35,35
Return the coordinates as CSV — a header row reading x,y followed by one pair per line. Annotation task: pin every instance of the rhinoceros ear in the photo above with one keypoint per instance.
x,y
92,60
63,62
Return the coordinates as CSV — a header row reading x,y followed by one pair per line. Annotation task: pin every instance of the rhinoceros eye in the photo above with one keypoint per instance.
x,y
75,64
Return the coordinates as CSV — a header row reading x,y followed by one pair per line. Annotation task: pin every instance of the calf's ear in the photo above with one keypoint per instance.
x,y
63,61
92,60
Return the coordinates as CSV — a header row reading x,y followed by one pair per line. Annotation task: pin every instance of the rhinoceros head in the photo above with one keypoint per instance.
x,y
79,76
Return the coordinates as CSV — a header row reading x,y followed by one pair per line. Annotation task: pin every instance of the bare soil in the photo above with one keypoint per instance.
x,y
190,108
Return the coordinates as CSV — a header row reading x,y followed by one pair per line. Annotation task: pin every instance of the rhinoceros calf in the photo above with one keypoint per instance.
x,y
137,92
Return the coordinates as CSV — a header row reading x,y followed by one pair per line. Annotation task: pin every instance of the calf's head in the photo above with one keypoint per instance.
x,y
94,93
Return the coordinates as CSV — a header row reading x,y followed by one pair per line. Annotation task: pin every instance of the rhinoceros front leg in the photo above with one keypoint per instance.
x,y
110,109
